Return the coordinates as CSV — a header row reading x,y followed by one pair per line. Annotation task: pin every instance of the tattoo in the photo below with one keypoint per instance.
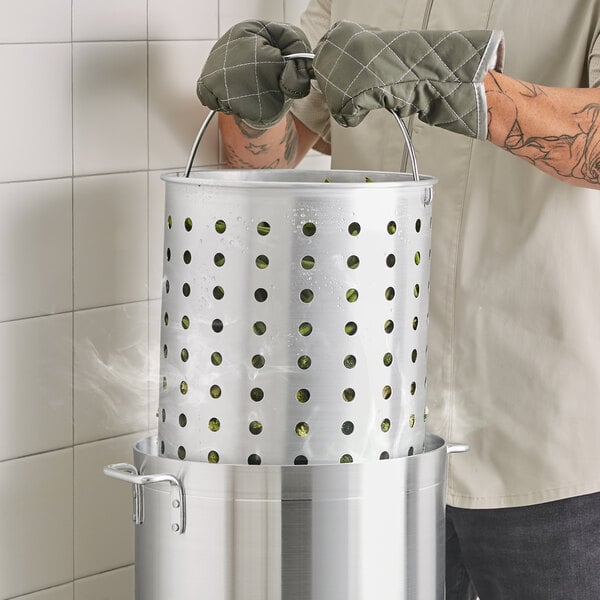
x,y
237,162
257,149
290,140
575,155
246,130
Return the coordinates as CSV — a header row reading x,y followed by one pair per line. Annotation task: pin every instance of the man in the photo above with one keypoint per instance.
x,y
514,334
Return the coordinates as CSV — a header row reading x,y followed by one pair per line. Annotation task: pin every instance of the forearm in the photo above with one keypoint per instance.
x,y
556,129
281,147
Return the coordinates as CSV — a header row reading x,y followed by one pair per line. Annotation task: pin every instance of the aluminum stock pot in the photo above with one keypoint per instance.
x,y
291,460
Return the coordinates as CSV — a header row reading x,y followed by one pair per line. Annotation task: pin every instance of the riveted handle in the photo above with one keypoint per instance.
x,y
129,474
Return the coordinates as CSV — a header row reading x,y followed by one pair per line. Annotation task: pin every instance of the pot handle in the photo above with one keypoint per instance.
x,y
129,473
456,448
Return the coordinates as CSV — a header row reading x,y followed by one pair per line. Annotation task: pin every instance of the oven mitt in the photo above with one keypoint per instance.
x,y
245,73
436,74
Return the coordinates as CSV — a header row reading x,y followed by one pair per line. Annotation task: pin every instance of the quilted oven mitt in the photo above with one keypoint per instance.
x,y
436,74
246,75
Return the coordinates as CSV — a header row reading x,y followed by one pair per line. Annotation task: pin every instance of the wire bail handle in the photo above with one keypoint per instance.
x,y
403,129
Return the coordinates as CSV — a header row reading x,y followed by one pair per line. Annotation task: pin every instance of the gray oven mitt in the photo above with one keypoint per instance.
x,y
245,73
436,74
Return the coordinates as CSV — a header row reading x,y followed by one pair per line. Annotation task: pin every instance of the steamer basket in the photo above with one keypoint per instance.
x,y
294,316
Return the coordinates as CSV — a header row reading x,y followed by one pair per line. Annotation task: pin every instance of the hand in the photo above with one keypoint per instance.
x,y
436,74
246,75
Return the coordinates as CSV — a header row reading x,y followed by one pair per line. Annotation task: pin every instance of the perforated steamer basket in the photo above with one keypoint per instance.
x,y
294,315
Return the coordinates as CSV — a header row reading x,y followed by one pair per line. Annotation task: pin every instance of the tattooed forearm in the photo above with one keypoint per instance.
x,y
235,161
555,129
290,141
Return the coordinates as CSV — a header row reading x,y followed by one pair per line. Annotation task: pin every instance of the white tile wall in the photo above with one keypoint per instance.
x,y
110,371
36,257
36,373
35,119
35,21
110,215
36,522
98,99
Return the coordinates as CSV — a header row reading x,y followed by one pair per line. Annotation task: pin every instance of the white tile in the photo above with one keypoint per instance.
x,y
183,19
109,20
110,239
61,592
315,161
36,374
109,107
104,530
156,233
36,261
114,585
234,11
35,21
111,371
293,9
35,119
175,111
36,522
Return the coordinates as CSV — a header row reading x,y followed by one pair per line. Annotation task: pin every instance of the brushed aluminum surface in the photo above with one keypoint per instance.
x,y
316,532
294,316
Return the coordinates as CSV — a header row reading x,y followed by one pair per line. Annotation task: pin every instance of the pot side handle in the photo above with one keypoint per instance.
x,y
129,474
456,448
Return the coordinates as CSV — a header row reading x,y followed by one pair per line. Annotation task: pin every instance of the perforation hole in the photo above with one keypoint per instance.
x,y
217,325
309,229
162,447
188,224
187,257
416,290
263,228
386,392
181,452
415,323
262,261
388,326
302,429
186,289
390,260
348,395
305,329
418,225
218,292
165,351
384,455
167,286
354,229
351,328
214,424
220,226
259,328
213,457
411,421
185,355
304,362
300,460
254,459
260,294
413,388
256,394
303,395
219,259
163,415
307,296
182,420
168,254
258,361
352,295
185,322
255,427
170,222
166,319
390,293
346,458
347,427
216,358
411,451
385,425
413,356
164,383
307,262
215,391
349,361
353,262
388,359
183,387
417,258
391,227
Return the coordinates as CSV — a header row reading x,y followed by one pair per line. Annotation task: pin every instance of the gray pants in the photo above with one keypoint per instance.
x,y
547,551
